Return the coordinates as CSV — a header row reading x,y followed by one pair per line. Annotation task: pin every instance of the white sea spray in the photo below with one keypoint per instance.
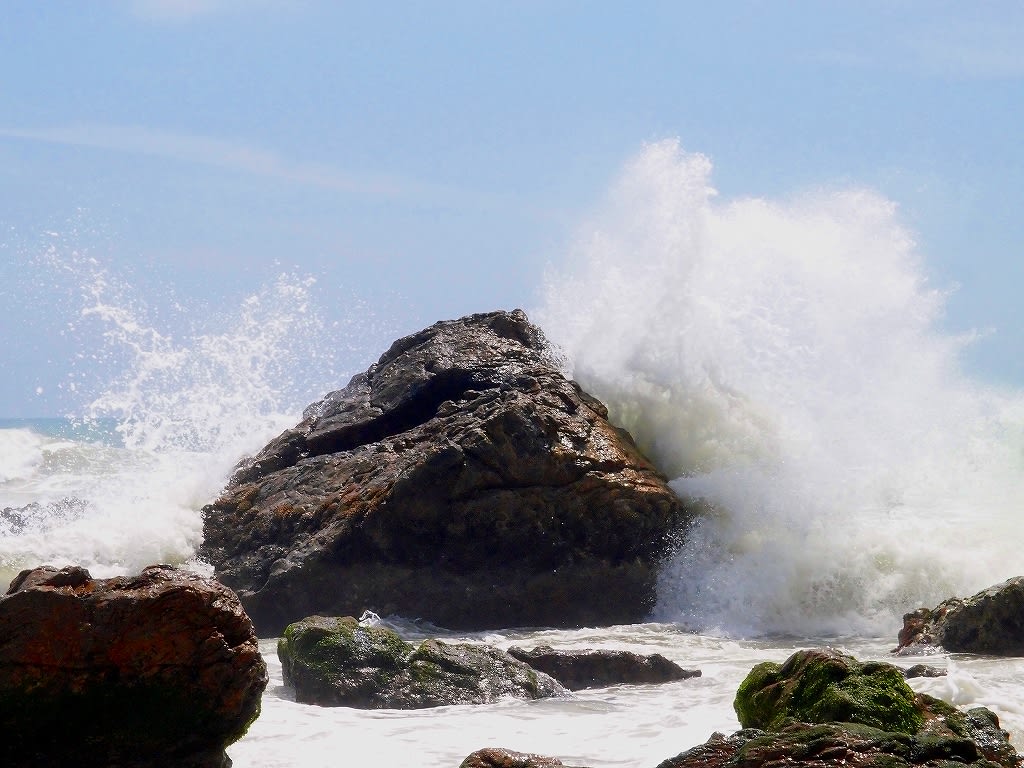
x,y
785,362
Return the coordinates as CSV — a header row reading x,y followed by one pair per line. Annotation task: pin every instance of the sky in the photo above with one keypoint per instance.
x,y
426,160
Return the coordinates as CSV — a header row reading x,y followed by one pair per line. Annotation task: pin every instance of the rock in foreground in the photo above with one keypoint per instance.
x,y
577,670
153,670
822,705
463,480
992,622
340,662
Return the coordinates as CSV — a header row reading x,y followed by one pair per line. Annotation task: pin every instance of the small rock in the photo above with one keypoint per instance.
x,y
588,668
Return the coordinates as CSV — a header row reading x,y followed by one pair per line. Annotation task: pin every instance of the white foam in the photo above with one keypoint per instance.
x,y
783,361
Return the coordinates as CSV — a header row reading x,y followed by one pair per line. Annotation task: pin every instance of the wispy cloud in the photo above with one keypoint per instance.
x,y
971,46
232,155
180,11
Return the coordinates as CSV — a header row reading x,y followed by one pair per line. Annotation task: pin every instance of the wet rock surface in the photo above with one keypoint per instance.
x,y
337,661
505,758
991,621
152,670
463,480
577,670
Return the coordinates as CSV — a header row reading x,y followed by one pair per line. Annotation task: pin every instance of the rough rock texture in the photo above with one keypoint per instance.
x,y
505,758
158,669
864,713
339,662
992,622
577,670
823,686
463,480
848,745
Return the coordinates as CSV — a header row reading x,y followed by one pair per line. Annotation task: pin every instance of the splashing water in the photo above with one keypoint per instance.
x,y
170,415
782,361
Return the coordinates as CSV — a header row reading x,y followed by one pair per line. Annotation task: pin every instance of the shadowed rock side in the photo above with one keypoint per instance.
x,y
136,672
992,621
462,479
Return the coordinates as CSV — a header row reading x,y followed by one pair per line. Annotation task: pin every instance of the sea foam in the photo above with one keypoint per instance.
x,y
785,362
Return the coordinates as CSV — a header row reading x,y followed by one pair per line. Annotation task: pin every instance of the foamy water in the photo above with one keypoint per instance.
x,y
781,360
784,362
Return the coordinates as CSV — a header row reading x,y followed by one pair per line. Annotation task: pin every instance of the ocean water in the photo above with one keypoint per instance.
x,y
782,361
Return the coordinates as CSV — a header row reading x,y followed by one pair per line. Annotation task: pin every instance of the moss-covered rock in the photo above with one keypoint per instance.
x,y
824,686
339,662
823,702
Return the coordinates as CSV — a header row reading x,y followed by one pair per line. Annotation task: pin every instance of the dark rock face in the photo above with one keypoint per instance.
x,y
339,662
152,670
463,480
577,670
992,622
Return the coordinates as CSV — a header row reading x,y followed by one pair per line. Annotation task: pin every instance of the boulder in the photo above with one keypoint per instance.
x,y
849,745
463,480
823,703
152,670
823,686
334,661
588,668
990,622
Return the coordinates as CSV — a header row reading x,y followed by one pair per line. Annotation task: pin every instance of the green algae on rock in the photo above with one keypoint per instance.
x,y
823,686
338,661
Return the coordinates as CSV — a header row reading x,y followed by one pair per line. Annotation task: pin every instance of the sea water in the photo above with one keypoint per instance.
x,y
781,361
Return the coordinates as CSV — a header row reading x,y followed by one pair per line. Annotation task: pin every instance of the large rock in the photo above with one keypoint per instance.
x,y
153,670
340,662
991,622
463,480
600,668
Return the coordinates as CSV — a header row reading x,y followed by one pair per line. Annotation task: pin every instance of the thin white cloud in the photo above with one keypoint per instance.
x,y
231,155
971,46
180,11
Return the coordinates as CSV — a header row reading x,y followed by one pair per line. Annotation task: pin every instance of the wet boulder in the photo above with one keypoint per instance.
x,y
601,668
823,703
157,669
463,480
990,622
339,661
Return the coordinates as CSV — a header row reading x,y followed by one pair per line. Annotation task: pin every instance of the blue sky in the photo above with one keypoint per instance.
x,y
428,159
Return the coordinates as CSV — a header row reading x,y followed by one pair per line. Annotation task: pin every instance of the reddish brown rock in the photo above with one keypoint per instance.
x,y
152,670
991,621
506,758
463,480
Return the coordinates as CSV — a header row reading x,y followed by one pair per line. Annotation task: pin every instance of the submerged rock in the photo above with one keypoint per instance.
x,y
463,480
493,757
577,670
152,670
991,621
339,662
